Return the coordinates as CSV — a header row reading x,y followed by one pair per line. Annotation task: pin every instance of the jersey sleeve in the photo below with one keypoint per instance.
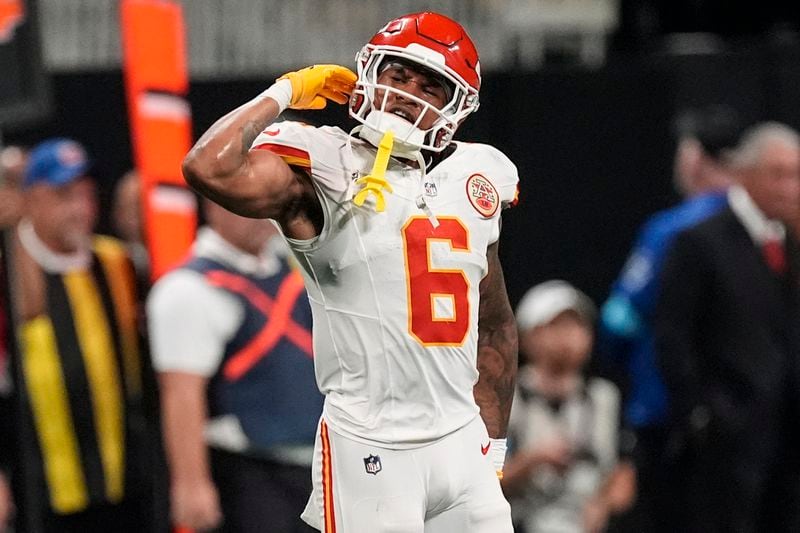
x,y
504,176
317,151
494,165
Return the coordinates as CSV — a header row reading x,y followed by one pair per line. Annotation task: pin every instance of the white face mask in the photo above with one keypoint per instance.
x,y
409,138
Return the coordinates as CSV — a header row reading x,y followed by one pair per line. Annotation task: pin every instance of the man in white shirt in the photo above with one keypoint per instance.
x,y
231,341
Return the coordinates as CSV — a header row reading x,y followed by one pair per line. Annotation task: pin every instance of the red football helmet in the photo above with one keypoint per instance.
x,y
436,43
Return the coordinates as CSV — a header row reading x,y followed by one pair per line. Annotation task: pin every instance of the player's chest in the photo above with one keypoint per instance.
x,y
436,207
447,191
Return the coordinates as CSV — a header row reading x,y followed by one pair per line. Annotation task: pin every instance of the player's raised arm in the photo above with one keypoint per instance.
x,y
497,355
258,183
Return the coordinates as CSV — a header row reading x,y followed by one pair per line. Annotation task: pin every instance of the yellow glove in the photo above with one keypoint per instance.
x,y
313,86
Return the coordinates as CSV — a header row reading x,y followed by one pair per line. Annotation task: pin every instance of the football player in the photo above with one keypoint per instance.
x,y
395,226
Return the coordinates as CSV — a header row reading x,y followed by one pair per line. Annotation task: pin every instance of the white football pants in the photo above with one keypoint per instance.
x,y
448,486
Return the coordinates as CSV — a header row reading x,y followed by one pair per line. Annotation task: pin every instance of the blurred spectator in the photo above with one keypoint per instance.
x,y
79,357
726,334
13,160
127,222
230,335
701,175
564,473
6,503
12,164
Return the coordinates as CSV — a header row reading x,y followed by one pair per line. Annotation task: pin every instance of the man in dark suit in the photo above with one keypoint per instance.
x,y
726,333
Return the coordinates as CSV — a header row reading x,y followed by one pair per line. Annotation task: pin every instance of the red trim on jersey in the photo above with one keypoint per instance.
x,y
327,481
515,201
292,156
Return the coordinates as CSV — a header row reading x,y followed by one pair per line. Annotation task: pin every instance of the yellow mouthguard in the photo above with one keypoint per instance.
x,y
375,182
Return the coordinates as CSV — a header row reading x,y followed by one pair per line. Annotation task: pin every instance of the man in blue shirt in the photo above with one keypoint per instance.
x,y
626,337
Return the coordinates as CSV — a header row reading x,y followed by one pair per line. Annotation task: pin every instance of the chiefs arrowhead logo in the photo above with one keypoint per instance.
x,y
485,449
12,13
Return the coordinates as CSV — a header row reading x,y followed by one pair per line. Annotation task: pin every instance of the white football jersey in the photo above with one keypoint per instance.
x,y
395,299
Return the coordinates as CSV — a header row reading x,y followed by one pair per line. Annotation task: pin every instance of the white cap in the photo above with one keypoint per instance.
x,y
543,302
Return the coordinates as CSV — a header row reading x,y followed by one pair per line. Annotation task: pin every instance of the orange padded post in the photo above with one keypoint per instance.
x,y
12,13
156,83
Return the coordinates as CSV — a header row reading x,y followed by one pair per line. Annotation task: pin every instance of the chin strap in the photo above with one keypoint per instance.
x,y
375,182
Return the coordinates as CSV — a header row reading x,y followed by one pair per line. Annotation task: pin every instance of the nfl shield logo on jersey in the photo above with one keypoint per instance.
x,y
430,188
372,464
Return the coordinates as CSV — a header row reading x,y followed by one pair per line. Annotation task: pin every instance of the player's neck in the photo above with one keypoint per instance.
x,y
438,157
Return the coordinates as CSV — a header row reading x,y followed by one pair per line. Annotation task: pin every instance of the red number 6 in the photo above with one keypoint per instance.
x,y
431,288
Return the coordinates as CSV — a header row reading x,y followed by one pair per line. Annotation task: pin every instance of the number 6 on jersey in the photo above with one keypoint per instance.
x,y
438,299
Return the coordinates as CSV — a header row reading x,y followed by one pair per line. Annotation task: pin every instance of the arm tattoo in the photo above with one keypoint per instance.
x,y
497,350
250,131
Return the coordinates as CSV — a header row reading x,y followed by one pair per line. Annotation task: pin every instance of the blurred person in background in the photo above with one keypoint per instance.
x,y
564,474
704,135
727,341
231,340
396,230
127,222
12,166
6,504
79,359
